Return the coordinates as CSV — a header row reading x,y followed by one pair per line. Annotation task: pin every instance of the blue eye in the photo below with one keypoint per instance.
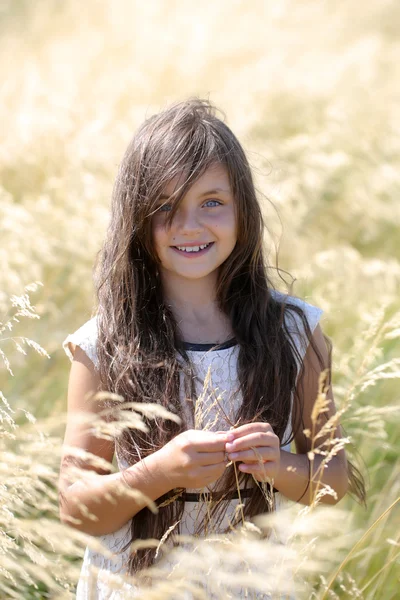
x,y
213,203
164,208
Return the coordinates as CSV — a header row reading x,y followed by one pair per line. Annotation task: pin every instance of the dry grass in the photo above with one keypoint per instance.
x,y
312,90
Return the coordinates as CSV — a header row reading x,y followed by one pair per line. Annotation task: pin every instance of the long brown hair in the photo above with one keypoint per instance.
x,y
139,350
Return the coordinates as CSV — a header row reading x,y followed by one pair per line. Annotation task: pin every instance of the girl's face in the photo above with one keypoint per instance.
x,y
203,231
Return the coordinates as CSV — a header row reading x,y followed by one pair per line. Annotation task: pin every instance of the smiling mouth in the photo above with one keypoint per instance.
x,y
201,248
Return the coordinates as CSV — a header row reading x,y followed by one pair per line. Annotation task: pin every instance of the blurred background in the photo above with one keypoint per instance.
x,y
312,90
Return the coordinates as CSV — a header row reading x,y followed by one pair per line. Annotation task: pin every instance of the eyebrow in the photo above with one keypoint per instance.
x,y
214,191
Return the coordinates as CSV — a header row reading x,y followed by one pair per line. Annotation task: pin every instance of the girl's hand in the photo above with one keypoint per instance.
x,y
257,448
194,458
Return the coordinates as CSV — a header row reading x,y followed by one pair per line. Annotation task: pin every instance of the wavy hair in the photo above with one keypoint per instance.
x,y
141,356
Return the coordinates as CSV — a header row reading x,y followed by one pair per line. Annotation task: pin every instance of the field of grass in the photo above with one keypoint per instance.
x,y
312,90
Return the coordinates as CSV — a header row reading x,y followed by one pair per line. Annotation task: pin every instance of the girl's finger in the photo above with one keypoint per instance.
x,y
266,438
211,458
214,443
266,470
253,456
248,428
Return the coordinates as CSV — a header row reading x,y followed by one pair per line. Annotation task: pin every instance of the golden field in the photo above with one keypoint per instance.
x,y
312,91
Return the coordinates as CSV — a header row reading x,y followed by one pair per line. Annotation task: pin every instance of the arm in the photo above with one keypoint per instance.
x,y
297,471
298,476
294,476
104,501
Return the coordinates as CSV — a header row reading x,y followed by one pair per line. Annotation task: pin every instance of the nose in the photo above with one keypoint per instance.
x,y
187,221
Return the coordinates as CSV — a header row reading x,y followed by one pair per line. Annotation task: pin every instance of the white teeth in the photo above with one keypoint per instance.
x,y
192,248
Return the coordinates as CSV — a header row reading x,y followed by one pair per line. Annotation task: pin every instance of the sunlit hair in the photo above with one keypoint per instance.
x,y
140,354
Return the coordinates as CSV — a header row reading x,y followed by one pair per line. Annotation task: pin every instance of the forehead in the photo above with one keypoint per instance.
x,y
214,178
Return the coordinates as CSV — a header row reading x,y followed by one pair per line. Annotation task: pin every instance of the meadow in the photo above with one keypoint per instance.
x,y
312,90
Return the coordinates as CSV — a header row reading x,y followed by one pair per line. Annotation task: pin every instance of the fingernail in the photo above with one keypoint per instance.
x,y
228,447
233,455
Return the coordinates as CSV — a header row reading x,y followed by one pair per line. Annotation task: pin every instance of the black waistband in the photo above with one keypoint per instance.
x,y
210,496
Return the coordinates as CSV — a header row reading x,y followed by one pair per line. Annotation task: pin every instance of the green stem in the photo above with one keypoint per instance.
x,y
379,572
356,545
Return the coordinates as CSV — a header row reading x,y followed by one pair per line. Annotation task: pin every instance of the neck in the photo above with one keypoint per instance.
x,y
193,294
195,308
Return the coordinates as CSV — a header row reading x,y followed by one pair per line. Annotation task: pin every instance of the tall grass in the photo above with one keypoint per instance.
x,y
312,91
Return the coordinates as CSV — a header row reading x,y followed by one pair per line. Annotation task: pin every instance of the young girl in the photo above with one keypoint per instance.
x,y
187,318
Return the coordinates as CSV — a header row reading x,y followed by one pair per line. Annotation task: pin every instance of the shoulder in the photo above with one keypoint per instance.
x,y
293,319
86,338
294,323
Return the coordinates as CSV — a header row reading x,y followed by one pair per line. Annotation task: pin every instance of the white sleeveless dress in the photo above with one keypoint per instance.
x,y
220,368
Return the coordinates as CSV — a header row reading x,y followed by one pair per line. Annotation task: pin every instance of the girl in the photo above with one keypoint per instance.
x,y
188,318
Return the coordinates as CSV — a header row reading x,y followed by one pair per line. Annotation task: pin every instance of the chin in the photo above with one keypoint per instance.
x,y
194,276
